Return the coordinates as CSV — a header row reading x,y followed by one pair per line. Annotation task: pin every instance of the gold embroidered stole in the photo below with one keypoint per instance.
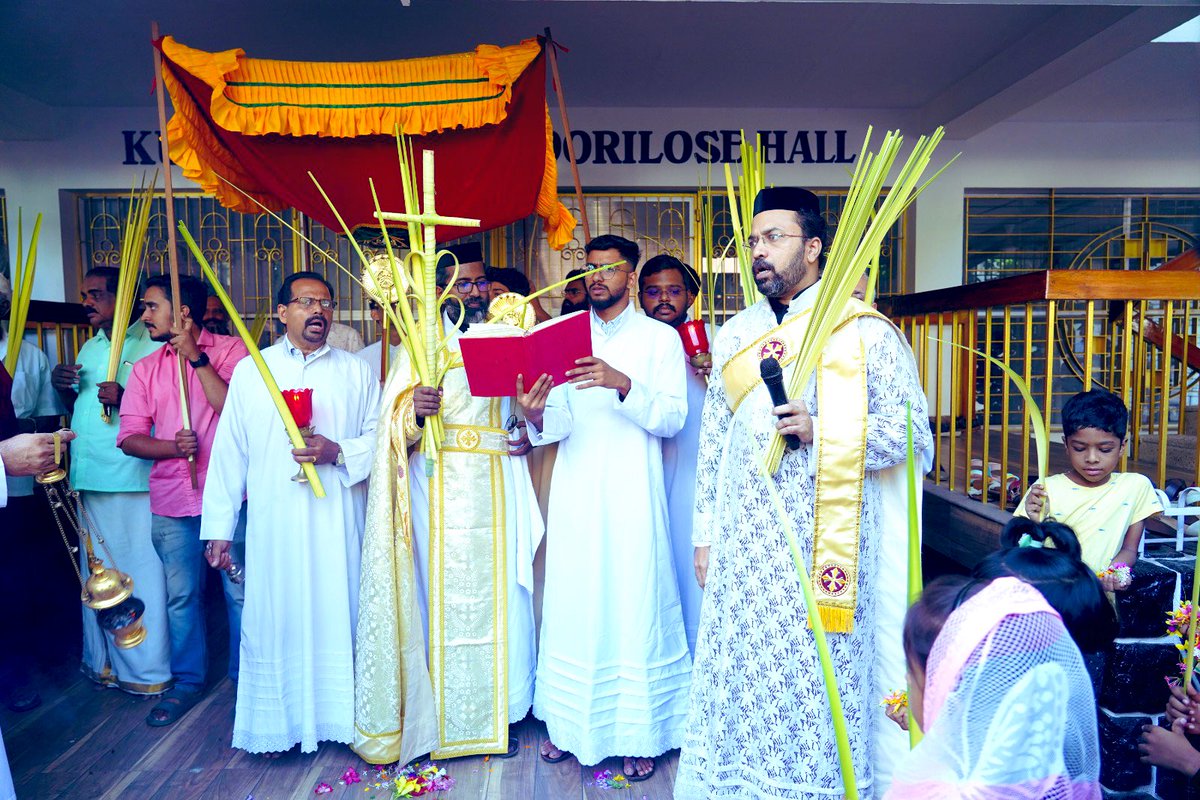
x,y
842,406
467,576
394,716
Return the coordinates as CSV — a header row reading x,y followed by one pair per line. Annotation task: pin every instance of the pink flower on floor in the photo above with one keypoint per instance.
x,y
323,788
350,776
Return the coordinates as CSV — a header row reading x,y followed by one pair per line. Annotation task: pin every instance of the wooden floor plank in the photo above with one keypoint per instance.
x,y
136,783
85,742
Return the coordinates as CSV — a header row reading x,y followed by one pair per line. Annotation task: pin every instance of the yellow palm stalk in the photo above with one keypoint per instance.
x,y
133,241
751,179
289,422
860,232
916,580
22,288
423,336
1189,658
841,737
1041,429
259,323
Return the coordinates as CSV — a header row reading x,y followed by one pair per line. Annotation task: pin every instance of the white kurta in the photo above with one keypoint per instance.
x,y
523,530
759,724
613,666
680,453
302,553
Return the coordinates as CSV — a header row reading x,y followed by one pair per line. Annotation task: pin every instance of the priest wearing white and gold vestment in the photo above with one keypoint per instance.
x,y
759,724
446,644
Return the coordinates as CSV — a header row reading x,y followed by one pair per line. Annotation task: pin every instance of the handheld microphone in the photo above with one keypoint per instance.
x,y
772,375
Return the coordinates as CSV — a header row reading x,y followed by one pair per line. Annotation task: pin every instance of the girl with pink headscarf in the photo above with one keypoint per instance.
x,y
1001,691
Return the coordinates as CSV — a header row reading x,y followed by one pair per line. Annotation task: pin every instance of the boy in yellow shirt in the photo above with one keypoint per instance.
x,y
1106,509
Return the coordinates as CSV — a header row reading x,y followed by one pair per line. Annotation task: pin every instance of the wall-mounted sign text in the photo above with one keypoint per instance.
x,y
703,147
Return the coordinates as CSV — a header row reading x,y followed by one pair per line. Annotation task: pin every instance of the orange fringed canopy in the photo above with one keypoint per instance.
x,y
262,125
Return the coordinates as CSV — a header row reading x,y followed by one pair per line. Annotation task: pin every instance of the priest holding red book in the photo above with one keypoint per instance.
x,y
613,667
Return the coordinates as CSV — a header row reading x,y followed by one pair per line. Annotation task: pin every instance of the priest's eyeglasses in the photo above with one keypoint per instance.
x,y
655,292
308,302
771,239
464,286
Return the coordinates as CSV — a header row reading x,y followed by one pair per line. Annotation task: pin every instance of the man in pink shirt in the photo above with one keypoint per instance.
x,y
151,428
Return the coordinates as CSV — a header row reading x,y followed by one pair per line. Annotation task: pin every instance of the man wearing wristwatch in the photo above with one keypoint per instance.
x,y
152,428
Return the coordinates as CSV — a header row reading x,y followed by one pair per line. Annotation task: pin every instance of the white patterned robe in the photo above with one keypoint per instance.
x,y
759,724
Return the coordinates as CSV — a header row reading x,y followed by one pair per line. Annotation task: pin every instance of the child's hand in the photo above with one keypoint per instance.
x,y
1184,708
1169,748
898,715
1035,501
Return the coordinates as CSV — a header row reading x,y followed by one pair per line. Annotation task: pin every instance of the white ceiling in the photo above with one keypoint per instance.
x,y
972,63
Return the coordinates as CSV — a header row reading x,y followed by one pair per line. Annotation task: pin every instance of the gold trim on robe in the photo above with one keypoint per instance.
x,y
841,385
394,716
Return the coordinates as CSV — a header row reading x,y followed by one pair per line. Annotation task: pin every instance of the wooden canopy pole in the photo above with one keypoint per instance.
x,y
172,257
566,123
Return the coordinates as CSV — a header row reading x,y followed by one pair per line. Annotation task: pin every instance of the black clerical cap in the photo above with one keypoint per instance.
x,y
787,198
466,253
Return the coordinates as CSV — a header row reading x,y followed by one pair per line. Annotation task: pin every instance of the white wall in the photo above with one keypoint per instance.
x,y
1163,155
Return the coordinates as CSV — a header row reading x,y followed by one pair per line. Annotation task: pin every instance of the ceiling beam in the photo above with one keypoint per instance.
x,y
1069,45
25,119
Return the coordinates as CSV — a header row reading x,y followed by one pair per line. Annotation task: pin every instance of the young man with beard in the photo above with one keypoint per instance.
x,y
114,490
758,720
668,288
152,429
613,670
474,524
296,680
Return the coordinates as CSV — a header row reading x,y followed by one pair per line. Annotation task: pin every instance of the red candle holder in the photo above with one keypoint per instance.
x,y
299,402
695,337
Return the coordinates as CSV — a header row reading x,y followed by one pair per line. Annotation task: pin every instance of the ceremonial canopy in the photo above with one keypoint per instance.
x,y
263,125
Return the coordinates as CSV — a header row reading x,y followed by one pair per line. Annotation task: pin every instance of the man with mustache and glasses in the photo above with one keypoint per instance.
x,y
668,288
613,667
296,681
152,429
114,489
757,703
474,524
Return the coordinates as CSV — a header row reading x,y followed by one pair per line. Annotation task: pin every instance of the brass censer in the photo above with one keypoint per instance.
x,y
105,590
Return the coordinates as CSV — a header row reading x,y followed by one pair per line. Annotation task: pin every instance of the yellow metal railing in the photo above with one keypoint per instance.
x,y
1136,334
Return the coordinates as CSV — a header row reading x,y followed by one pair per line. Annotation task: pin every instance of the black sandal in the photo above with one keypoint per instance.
x,y
514,747
172,706
635,778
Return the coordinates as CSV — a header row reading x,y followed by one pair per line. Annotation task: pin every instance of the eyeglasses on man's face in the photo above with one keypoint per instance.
x,y
772,239
464,286
605,271
655,292
312,302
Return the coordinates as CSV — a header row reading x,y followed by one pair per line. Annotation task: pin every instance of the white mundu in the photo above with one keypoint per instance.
x,y
613,667
302,553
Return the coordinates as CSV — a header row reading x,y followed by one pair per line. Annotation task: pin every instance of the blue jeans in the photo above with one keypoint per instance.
x,y
177,542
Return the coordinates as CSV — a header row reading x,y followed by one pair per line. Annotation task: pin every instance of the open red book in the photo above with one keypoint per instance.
x,y
495,354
